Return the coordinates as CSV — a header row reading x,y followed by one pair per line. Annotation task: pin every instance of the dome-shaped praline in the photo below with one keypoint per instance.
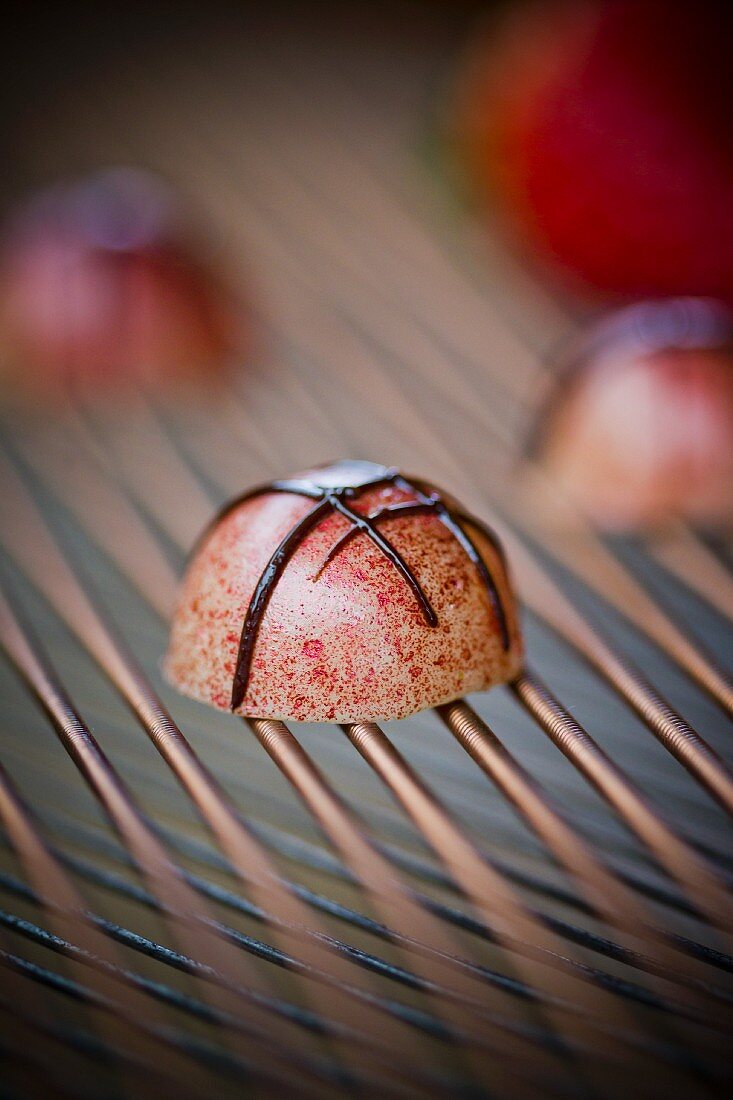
x,y
345,593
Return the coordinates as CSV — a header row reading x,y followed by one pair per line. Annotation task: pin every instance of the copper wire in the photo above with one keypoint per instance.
x,y
583,551
90,521
683,553
493,897
33,548
606,893
135,1019
553,607
688,868
460,1002
673,731
193,924
668,726
79,475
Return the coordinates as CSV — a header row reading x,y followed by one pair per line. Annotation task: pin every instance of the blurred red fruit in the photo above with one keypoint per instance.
x,y
606,129
98,290
639,432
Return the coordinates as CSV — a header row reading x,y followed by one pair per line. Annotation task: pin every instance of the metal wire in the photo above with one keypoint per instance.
x,y
371,868
340,829
51,572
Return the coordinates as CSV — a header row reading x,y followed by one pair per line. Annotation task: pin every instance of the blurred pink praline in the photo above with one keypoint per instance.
x,y
100,290
639,430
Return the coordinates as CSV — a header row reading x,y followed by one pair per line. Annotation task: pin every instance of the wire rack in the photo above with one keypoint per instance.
x,y
527,893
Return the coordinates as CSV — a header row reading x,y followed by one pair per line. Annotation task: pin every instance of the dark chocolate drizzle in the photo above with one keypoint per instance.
x,y
333,493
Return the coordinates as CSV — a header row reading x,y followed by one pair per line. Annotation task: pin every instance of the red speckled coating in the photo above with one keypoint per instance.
x,y
352,644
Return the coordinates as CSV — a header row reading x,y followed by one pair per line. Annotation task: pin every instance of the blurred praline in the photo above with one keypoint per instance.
x,y
638,429
100,288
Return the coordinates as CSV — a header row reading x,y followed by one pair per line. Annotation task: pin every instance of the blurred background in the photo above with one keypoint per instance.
x,y
184,185
283,136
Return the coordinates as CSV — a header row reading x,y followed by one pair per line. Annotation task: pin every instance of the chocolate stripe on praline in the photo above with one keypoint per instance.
x,y
332,498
